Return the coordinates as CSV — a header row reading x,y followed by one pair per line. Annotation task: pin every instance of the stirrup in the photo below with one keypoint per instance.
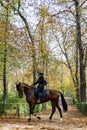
x,y
38,100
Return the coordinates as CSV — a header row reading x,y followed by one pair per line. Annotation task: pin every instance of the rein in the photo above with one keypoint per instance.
x,y
27,86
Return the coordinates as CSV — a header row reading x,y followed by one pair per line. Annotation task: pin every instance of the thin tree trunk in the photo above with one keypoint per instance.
x,y
76,74
5,63
33,46
81,53
4,75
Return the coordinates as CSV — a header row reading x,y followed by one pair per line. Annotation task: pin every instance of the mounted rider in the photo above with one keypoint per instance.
x,y
41,83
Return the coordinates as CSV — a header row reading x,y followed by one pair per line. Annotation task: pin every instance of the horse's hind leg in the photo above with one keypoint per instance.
x,y
53,110
59,109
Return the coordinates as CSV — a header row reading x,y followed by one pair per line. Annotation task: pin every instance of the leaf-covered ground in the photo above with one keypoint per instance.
x,y
72,120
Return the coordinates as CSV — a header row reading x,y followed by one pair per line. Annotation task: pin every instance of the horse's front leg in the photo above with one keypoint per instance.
x,y
37,116
30,116
32,106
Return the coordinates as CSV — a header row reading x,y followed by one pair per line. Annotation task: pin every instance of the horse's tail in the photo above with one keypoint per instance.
x,y
64,104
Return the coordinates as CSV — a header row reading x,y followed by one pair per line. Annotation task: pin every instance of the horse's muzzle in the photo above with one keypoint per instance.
x,y
21,96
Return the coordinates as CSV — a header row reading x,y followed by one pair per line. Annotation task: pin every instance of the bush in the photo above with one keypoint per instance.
x,y
82,107
13,101
15,105
85,110
74,100
2,108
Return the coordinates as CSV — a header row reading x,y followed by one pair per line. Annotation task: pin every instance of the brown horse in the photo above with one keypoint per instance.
x,y
48,95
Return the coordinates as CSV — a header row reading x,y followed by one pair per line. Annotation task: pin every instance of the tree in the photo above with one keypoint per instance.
x,y
68,14
46,32
81,52
5,42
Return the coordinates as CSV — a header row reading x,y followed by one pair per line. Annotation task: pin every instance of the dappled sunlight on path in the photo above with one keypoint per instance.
x,y
72,120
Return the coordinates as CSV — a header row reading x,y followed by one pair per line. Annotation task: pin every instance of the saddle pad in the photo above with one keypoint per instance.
x,y
44,93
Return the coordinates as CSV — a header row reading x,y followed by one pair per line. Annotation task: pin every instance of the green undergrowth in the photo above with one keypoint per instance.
x,y
82,106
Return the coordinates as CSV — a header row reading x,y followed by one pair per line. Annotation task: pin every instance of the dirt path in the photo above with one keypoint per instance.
x,y
72,120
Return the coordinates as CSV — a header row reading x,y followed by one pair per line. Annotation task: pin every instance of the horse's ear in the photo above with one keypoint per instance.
x,y
19,83
16,82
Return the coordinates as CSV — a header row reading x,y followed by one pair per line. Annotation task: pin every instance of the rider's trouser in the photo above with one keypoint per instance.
x,y
40,90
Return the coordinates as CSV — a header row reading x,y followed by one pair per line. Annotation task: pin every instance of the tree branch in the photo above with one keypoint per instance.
x,y
83,3
3,5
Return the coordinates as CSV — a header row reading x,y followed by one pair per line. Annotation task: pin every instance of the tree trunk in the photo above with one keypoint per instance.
x,y
81,54
33,46
5,63
34,64
4,77
77,74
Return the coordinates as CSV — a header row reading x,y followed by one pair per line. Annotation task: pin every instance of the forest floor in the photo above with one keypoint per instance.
x,y
72,120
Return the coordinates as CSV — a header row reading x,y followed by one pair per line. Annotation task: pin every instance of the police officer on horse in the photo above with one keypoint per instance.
x,y
41,82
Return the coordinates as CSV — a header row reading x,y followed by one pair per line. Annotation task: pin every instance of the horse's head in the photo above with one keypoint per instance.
x,y
20,89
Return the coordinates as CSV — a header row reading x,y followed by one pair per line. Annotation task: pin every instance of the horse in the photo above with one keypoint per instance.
x,y
48,95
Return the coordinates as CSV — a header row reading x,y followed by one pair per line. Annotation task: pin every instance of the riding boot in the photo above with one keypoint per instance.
x,y
39,95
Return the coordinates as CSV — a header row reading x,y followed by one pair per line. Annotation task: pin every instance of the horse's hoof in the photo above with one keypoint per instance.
x,y
49,120
61,119
29,120
39,118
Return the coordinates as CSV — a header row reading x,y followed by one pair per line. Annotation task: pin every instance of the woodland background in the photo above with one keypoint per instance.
x,y
43,35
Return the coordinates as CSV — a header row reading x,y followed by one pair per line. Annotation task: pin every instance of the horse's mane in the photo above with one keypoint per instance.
x,y
27,85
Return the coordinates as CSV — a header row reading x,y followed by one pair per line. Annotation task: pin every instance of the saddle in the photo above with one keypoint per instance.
x,y
42,95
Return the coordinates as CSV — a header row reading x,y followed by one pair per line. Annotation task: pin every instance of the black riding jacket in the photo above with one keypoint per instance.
x,y
41,83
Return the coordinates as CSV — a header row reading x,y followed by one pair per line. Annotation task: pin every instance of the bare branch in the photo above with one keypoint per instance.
x,y
37,25
83,3
3,5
